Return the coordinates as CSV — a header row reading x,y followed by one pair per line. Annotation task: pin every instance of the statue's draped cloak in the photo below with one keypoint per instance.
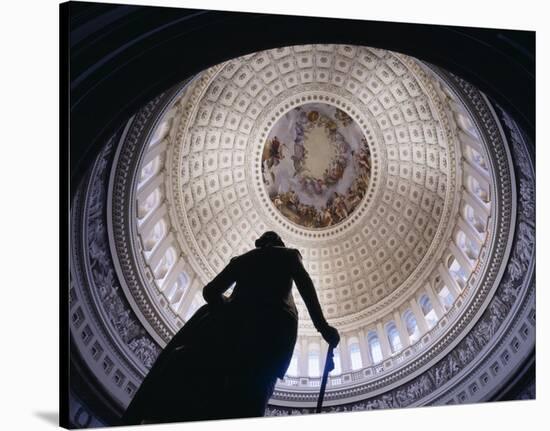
x,y
252,335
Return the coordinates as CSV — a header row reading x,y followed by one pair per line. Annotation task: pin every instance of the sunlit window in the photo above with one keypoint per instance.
x,y
293,367
149,170
478,190
470,248
160,132
473,219
165,263
313,369
355,356
429,312
478,159
393,337
374,347
149,204
412,326
447,297
458,272
178,288
467,125
194,306
157,233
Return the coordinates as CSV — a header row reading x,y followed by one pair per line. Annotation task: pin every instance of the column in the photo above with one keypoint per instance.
x,y
436,304
150,186
468,140
461,257
450,282
420,319
403,335
364,349
149,223
472,234
479,174
384,342
161,131
153,152
194,286
478,207
345,359
172,275
159,252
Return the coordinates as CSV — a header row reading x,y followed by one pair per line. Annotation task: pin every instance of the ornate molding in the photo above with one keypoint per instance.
x,y
449,335
104,328
128,262
504,334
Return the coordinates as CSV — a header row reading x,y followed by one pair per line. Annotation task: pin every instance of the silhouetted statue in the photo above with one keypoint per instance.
x,y
226,359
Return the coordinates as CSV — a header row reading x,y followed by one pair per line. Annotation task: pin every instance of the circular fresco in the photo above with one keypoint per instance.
x,y
316,165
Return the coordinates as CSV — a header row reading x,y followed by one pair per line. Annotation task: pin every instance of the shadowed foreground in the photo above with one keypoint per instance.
x,y
225,361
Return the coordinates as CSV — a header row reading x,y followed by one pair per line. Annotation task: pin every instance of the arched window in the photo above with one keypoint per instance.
x,y
313,368
149,204
355,354
477,158
149,170
393,337
467,125
337,363
477,189
178,288
473,219
470,249
165,263
447,297
157,233
412,326
428,310
457,272
374,347
160,132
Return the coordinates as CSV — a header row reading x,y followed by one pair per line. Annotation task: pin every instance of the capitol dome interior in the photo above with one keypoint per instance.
x,y
407,189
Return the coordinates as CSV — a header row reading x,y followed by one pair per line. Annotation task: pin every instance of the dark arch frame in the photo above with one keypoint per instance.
x,y
122,56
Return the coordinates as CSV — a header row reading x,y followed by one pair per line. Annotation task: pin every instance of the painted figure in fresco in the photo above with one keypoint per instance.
x,y
339,206
225,361
353,196
326,217
303,186
274,153
344,118
301,124
278,202
298,157
293,200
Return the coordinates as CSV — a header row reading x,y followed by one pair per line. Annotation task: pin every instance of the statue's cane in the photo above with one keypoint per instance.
x,y
329,366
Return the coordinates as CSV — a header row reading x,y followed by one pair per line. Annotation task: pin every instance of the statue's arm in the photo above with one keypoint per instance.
x,y
213,291
307,292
